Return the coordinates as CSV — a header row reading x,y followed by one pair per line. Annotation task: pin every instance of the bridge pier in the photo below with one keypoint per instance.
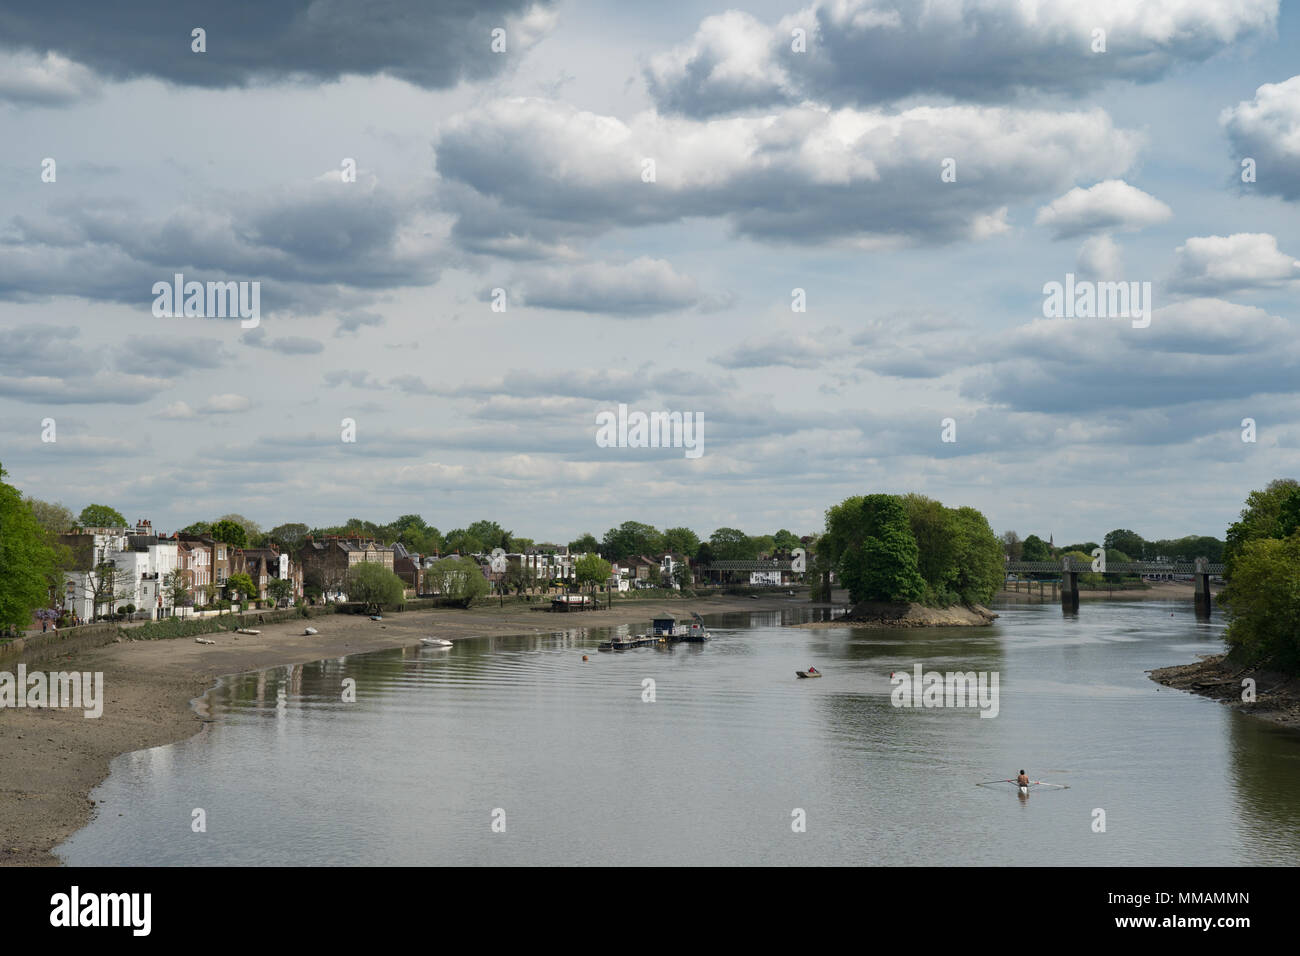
x,y
1202,596
1070,591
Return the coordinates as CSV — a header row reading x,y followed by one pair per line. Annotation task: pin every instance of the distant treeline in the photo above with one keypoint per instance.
x,y
1120,544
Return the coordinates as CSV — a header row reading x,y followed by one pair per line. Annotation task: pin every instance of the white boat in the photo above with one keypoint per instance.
x,y
434,642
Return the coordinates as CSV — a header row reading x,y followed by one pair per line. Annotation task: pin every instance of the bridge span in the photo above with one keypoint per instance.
x,y
1201,570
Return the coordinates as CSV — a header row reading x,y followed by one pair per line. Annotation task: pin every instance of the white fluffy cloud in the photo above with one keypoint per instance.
x,y
800,175
49,80
1267,130
1244,260
1112,204
868,51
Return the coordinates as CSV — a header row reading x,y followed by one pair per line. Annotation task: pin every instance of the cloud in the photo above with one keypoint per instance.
x,y
1112,204
140,351
307,246
800,175
100,388
1244,260
1201,350
873,51
29,79
352,322
288,345
641,287
1100,259
432,45
1267,130
791,351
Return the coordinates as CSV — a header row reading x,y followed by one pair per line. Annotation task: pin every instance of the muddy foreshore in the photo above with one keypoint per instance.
x,y
51,759
1277,696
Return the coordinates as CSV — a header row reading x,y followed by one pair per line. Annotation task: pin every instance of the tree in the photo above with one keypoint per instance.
x,y
462,541
732,544
585,544
681,574
1121,539
230,532
101,516
1035,548
457,578
978,562
785,541
491,534
108,587
280,590
1012,546
288,537
935,530
242,585
681,541
373,585
198,527
1265,515
704,554
28,563
1263,602
519,577
631,538
883,567
592,569
177,588
52,516
252,531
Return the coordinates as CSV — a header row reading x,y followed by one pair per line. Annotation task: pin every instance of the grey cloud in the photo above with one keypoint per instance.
x,y
872,51
432,45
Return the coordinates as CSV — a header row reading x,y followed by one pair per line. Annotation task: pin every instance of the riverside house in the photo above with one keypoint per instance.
x,y
325,563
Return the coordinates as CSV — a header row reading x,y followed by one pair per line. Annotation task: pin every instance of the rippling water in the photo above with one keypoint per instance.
x,y
583,770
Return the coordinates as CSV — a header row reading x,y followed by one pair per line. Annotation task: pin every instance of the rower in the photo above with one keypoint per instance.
x,y
1022,780
812,670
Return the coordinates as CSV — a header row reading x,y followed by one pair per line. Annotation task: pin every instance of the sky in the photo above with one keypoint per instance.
x,y
826,229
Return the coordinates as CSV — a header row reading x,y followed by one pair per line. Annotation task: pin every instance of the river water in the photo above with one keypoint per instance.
x,y
514,751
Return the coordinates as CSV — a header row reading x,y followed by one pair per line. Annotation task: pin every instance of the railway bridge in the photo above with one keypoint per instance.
x,y
1200,569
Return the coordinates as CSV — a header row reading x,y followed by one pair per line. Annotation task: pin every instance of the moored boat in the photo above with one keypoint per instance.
x,y
434,642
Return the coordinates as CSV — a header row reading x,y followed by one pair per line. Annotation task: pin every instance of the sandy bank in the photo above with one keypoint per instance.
x,y
51,759
883,614
1277,696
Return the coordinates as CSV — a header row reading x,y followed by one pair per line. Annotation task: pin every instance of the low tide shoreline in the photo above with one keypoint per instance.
x,y
1277,696
51,759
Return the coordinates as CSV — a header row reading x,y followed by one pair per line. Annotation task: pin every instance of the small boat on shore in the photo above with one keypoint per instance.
x,y
434,642
808,673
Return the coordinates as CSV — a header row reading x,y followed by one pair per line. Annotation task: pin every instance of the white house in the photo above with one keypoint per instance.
x,y
141,562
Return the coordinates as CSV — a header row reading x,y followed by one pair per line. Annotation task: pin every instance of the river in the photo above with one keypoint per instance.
x,y
515,751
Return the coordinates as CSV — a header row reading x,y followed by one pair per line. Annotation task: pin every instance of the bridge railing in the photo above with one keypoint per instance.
x,y
1116,567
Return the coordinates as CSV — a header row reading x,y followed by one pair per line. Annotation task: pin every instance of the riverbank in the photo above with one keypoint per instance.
x,y
1156,591
891,615
51,759
1277,696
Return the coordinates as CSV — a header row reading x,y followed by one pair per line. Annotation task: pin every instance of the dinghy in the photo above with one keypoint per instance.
x,y
809,673
434,642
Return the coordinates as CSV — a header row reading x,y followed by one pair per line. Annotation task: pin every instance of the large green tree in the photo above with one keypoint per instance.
x,y
1122,539
1034,548
28,563
591,569
373,585
631,538
732,544
882,565
101,516
457,578
977,557
681,541
230,532
288,537
1263,602
585,544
